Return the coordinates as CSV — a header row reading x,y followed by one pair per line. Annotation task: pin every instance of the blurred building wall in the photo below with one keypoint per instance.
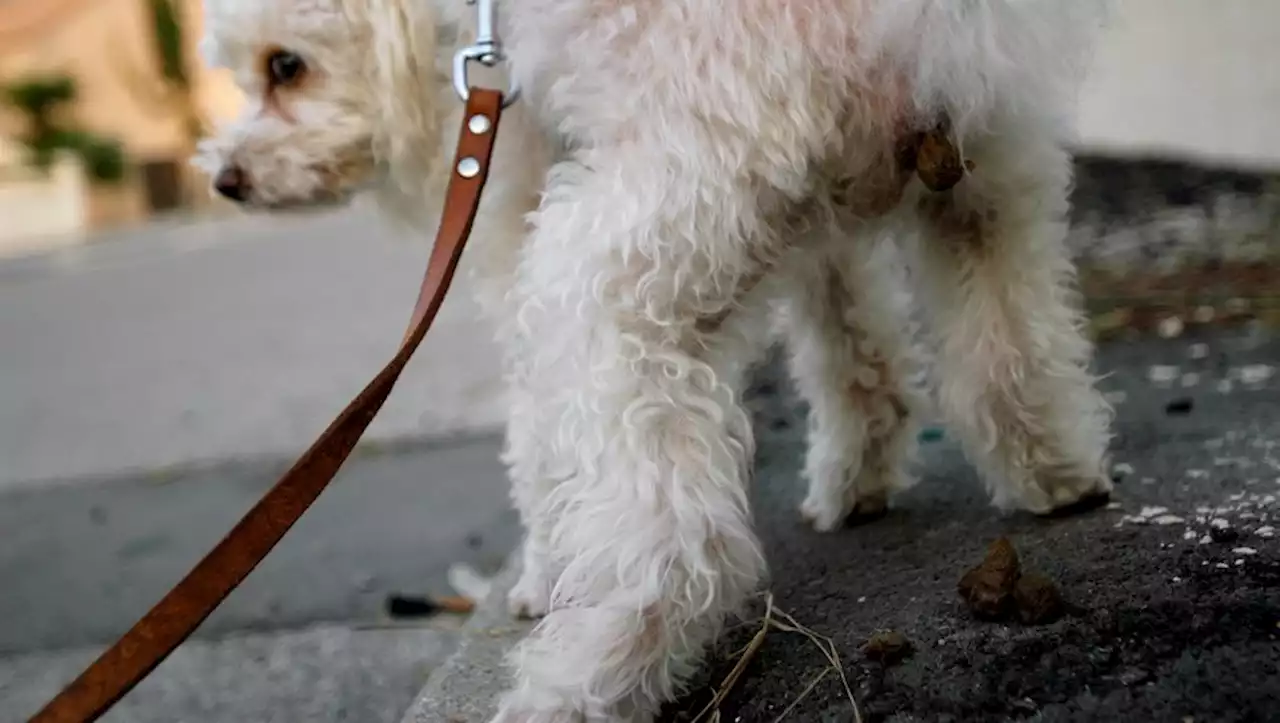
x,y
106,46
1197,78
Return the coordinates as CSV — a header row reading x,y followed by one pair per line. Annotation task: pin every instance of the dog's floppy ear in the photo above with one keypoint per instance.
x,y
402,55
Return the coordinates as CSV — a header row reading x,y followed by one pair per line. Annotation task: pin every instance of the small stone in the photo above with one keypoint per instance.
x,y
1266,532
1244,551
1199,351
1190,379
1170,327
1037,599
1162,373
1222,535
887,646
1134,676
1255,373
1116,397
1166,520
930,434
988,588
1025,705
1179,407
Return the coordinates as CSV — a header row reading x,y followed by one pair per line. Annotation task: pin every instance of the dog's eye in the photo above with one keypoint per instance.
x,y
285,67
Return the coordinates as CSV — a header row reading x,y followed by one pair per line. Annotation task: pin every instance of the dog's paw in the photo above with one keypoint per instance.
x,y
1055,495
827,513
1071,495
530,598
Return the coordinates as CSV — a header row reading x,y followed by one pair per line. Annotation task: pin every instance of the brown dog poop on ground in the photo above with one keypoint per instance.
x,y
887,646
997,589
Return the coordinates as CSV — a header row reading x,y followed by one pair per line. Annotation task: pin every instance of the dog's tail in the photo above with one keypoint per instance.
x,y
979,60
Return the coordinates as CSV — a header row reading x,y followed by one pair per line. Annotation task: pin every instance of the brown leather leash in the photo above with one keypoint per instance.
x,y
190,602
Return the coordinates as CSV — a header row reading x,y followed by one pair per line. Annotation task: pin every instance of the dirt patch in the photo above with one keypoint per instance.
x,y
1211,652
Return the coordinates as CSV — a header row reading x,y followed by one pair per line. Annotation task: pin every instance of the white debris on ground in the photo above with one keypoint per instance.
x,y
1246,515
469,582
1152,516
1171,327
1162,374
1253,374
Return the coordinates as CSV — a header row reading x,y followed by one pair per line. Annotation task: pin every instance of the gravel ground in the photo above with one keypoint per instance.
x,y
1169,620
1155,214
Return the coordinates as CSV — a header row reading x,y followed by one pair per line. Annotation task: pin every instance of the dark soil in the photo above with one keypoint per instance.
x,y
1159,626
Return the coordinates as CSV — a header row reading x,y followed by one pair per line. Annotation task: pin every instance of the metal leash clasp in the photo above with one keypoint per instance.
x,y
487,51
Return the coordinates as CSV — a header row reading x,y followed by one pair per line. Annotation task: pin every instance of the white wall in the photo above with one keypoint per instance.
x,y
1196,77
39,210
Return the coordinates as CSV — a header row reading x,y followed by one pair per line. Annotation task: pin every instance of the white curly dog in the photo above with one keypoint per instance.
x,y
678,174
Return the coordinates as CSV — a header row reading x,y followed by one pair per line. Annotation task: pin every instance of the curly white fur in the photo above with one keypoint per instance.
x,y
680,173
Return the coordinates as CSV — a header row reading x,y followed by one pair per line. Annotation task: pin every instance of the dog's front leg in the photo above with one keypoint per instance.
x,y
651,530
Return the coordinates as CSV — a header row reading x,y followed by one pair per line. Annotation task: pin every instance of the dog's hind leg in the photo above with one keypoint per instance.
x,y
631,276
1013,358
847,356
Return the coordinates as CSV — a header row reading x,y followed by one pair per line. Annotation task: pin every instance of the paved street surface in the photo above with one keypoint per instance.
x,y
231,339
305,638
1170,624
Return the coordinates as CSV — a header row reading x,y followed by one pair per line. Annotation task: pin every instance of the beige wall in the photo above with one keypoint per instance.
x,y
1194,77
106,46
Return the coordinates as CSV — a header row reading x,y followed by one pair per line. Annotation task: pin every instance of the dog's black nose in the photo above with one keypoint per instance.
x,y
232,183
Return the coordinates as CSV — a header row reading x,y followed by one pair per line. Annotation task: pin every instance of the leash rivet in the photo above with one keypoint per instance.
x,y
479,124
468,167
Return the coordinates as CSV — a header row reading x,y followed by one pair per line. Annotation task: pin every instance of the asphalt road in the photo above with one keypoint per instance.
x,y
305,638
1165,625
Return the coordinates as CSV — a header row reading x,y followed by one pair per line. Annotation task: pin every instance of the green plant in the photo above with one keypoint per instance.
x,y
40,99
167,33
173,87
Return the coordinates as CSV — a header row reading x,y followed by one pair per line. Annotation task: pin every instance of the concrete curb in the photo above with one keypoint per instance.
x,y
466,687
